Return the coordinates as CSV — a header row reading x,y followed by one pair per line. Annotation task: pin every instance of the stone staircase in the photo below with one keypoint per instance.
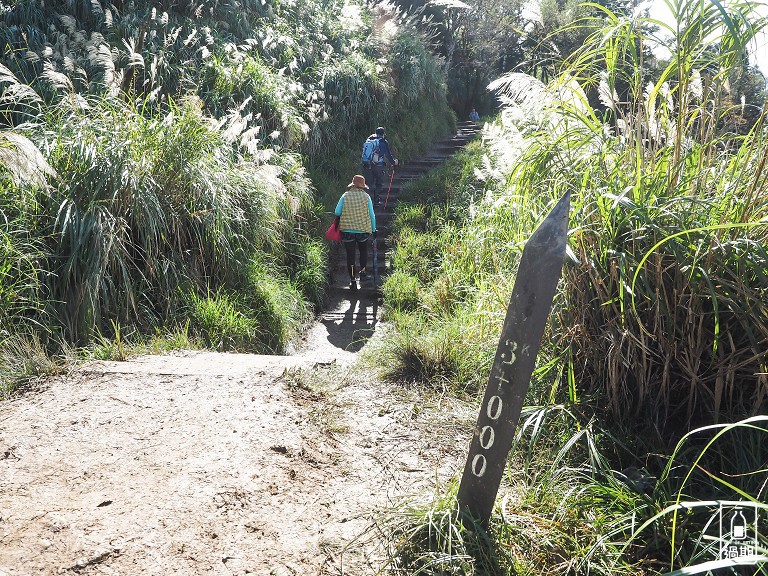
x,y
405,173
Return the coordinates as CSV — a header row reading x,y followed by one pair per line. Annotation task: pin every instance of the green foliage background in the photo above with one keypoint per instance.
x,y
155,159
168,168
647,407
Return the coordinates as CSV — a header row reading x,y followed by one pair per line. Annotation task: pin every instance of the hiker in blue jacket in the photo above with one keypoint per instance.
x,y
376,154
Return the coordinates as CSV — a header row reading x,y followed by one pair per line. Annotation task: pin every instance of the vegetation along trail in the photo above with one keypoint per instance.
x,y
189,386
210,463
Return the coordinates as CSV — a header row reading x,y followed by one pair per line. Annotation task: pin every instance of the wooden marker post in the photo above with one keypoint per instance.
x,y
537,276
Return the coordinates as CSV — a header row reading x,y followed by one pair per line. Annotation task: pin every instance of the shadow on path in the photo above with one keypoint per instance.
x,y
351,316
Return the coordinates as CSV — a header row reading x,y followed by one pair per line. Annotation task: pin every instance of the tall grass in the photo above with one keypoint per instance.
x,y
25,358
661,314
576,513
314,77
659,326
22,252
21,276
161,182
149,205
431,538
118,216
565,509
273,101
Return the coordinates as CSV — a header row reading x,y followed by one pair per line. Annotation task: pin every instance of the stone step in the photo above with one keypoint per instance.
x,y
419,166
406,178
452,139
448,145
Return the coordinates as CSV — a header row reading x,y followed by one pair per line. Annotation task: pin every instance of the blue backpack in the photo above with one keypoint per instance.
x,y
370,151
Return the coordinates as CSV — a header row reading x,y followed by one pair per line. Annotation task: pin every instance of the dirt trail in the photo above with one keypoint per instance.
x,y
206,463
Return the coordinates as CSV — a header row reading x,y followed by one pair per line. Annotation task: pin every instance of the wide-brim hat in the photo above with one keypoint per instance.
x,y
358,182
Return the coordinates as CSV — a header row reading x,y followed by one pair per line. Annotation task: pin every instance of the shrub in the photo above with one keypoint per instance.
x,y
402,291
223,324
276,304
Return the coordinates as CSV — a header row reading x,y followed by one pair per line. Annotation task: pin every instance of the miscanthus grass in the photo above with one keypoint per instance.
x,y
655,355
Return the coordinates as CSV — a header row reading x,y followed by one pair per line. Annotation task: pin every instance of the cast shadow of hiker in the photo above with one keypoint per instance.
x,y
354,321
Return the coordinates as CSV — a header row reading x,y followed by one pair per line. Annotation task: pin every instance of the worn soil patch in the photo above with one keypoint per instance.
x,y
205,463
226,464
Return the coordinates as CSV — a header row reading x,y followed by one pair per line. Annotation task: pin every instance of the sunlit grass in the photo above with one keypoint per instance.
x,y
166,148
659,325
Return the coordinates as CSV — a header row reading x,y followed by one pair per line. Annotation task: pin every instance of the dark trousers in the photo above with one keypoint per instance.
x,y
362,247
374,178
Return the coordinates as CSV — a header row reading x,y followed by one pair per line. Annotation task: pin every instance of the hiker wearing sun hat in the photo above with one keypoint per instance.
x,y
357,222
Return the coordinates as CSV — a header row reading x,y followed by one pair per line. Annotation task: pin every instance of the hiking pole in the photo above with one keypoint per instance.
x,y
375,262
390,187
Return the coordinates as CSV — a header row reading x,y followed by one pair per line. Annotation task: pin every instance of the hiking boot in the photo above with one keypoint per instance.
x,y
353,285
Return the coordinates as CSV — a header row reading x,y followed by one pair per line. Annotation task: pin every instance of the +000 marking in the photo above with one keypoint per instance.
x,y
493,411
487,435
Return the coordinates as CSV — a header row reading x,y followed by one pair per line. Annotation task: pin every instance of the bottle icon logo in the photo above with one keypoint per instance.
x,y
738,525
738,531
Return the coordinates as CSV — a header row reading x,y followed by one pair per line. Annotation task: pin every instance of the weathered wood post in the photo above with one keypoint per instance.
x,y
537,276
